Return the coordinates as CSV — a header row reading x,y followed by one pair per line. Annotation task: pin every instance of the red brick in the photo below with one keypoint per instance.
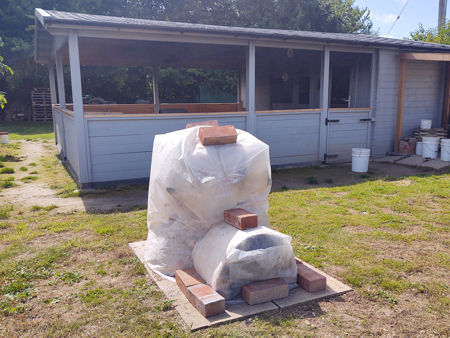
x,y
187,278
264,291
210,136
207,301
309,279
213,123
240,218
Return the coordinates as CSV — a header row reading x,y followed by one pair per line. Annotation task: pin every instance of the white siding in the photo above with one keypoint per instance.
x,y
293,137
121,148
422,94
386,103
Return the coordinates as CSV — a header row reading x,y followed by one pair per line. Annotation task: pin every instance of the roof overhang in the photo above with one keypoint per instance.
x,y
53,25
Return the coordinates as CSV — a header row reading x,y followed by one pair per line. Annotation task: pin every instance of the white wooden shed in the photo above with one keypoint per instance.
x,y
311,96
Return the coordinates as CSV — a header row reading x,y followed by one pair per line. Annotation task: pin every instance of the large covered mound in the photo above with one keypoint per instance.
x,y
190,187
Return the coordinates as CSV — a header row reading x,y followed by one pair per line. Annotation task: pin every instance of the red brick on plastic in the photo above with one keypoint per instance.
x,y
264,291
309,279
213,123
240,218
207,301
211,136
187,278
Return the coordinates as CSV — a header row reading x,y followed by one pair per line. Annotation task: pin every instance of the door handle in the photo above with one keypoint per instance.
x,y
330,121
365,120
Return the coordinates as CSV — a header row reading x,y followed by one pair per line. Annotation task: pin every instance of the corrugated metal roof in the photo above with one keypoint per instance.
x,y
359,39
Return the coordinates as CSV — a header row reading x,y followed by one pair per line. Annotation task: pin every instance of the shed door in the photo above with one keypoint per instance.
x,y
346,129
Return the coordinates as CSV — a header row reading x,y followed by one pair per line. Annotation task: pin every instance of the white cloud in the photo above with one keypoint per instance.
x,y
403,2
384,18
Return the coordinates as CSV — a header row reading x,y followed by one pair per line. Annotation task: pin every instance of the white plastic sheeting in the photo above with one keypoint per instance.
x,y
228,258
190,187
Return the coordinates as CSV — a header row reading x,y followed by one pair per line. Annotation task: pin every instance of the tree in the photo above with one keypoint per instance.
x,y
4,69
432,34
126,84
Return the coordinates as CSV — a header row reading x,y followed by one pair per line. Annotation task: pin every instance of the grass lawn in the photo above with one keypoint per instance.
x,y
28,131
72,273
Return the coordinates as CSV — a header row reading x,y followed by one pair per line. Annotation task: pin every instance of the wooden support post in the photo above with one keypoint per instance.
x,y
325,89
155,90
446,110
400,104
251,117
60,78
373,96
51,78
75,75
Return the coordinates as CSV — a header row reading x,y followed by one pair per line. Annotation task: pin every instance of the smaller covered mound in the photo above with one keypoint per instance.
x,y
228,258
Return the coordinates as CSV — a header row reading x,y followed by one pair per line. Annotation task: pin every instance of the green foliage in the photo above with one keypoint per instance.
x,y
432,34
128,84
4,69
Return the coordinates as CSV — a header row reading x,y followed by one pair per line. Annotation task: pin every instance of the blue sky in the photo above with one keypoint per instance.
x,y
384,12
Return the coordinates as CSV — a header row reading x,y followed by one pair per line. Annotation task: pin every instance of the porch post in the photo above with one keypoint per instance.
x,y
373,96
51,78
60,78
446,107
251,117
400,104
155,91
75,75
325,89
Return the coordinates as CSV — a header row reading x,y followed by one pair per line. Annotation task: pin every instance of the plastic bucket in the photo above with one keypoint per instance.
x,y
430,147
425,124
360,160
445,149
4,137
419,147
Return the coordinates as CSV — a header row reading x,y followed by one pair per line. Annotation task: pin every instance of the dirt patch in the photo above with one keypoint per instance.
x,y
38,192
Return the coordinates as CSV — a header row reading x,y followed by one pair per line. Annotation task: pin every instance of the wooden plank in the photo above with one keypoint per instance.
x,y
446,111
400,104
425,56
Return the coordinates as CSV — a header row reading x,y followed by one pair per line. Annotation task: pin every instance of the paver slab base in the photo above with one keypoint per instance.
x,y
435,164
194,320
412,160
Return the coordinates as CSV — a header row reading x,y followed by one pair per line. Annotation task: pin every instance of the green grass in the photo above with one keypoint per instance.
x,y
387,237
6,170
28,131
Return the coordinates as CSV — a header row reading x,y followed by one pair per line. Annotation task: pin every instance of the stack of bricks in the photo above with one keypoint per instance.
x,y
207,301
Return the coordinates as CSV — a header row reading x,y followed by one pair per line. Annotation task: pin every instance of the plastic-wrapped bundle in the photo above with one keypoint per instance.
x,y
228,258
190,187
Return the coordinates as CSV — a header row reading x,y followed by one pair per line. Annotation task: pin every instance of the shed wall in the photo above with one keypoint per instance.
x,y
386,102
422,94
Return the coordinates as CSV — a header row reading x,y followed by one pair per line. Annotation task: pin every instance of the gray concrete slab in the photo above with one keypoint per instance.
x,y
195,321
390,159
435,164
413,160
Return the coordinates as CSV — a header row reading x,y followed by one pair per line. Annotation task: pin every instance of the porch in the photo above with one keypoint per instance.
x,y
310,99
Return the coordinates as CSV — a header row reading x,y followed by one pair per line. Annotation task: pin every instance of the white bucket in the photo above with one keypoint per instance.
x,y
425,124
430,147
4,137
445,149
419,147
360,160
